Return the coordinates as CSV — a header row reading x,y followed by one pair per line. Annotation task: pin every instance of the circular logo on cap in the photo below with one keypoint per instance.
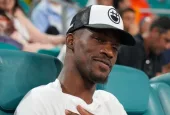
x,y
114,16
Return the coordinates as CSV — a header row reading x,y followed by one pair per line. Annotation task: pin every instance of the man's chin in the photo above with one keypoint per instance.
x,y
99,78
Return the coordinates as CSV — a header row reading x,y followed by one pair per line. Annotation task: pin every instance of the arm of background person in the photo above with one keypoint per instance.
x,y
35,34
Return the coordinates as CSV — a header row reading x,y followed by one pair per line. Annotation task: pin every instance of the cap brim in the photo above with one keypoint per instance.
x,y
125,37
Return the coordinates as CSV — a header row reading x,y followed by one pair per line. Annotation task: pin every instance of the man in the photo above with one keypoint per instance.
x,y
145,55
92,44
128,17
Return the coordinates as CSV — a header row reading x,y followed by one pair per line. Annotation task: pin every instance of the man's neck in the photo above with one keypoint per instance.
x,y
72,83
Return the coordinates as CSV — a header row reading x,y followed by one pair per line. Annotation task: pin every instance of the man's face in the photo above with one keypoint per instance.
x,y
161,42
128,19
95,52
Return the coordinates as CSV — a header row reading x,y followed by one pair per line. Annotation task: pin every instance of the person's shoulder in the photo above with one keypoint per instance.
x,y
110,101
39,100
46,90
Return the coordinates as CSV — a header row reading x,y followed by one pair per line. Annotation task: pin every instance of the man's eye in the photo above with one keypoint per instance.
x,y
116,48
100,40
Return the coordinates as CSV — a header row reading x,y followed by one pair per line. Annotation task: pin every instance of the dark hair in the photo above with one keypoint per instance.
x,y
3,13
121,12
116,3
163,23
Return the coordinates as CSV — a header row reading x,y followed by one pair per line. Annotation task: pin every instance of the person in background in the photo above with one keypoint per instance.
x,y
92,44
144,25
47,16
146,54
165,69
122,4
100,2
23,25
105,2
128,16
10,35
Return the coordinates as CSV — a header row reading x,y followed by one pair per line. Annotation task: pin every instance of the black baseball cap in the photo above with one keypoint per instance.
x,y
101,17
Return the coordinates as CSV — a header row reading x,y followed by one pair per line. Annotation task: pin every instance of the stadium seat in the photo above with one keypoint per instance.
x,y
137,95
161,86
163,92
81,3
131,87
53,52
8,46
165,78
22,71
159,101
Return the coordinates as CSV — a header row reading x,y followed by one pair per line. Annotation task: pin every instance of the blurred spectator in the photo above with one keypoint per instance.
x,y
10,35
145,55
122,4
105,2
6,26
144,25
128,17
25,27
47,16
101,2
165,69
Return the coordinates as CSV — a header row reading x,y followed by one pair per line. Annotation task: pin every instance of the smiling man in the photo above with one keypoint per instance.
x,y
92,44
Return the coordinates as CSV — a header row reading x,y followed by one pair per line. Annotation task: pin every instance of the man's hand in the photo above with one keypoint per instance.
x,y
81,110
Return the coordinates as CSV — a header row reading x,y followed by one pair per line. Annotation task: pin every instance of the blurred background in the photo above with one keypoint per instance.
x,y
40,26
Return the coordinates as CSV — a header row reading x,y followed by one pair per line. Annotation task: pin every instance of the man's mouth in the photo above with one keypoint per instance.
x,y
106,62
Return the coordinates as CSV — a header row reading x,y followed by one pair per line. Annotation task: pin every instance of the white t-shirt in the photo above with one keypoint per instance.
x,y
50,100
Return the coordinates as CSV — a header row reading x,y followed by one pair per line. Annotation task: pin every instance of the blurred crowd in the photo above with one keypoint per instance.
x,y
48,21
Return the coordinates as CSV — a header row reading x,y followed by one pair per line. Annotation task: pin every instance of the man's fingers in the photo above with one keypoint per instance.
x,y
82,111
67,112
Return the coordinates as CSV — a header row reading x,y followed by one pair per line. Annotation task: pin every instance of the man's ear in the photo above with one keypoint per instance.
x,y
70,41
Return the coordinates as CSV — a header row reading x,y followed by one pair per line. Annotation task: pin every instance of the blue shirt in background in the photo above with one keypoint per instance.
x,y
46,14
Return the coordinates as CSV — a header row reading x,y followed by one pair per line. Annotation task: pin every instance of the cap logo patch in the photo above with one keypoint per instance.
x,y
114,16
